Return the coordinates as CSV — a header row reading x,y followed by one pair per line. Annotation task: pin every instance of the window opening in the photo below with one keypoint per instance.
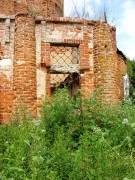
x,y
64,68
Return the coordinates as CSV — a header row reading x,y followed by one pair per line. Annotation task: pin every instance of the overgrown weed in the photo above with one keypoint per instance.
x,y
74,139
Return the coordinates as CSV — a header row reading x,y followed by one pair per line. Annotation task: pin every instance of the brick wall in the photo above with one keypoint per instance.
x,y
24,66
7,7
68,32
55,8
6,93
122,70
6,66
20,7
25,58
86,60
105,60
34,7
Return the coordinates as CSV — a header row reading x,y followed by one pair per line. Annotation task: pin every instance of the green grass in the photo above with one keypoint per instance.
x,y
74,139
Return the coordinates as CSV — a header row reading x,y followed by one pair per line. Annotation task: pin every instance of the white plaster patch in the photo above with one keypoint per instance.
x,y
60,35
20,62
54,35
91,61
38,44
41,83
5,62
74,35
126,85
6,68
90,44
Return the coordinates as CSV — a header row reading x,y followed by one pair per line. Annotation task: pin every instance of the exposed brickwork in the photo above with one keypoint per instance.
x,y
105,60
122,70
20,7
45,55
6,97
24,72
28,43
34,7
72,32
86,60
7,7
6,67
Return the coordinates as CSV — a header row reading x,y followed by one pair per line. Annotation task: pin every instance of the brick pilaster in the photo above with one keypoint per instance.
x,y
24,74
86,61
105,60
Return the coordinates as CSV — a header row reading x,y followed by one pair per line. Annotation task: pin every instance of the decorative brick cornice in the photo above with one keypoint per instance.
x,y
62,20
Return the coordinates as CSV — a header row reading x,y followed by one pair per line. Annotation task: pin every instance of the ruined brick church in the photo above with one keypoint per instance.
x,y
40,50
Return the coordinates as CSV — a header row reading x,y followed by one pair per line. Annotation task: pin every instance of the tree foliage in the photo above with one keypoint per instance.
x,y
131,73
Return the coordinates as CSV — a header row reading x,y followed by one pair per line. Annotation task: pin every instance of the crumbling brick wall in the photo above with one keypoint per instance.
x,y
7,7
24,65
66,31
34,7
7,28
105,60
29,45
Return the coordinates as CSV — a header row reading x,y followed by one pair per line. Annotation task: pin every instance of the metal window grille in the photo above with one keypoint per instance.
x,y
62,57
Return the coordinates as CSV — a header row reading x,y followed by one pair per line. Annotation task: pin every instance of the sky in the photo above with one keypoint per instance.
x,y
121,14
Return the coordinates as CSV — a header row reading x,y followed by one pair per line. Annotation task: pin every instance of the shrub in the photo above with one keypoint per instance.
x,y
74,139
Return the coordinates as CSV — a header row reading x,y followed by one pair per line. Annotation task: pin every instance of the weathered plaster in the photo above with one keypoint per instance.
x,y
6,68
41,84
